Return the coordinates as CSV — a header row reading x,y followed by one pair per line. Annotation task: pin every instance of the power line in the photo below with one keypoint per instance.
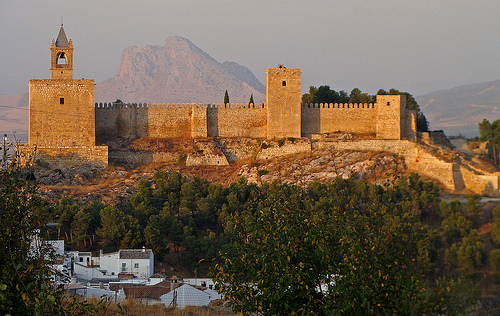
x,y
42,111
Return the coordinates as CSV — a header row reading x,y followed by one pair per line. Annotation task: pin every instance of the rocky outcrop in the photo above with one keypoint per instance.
x,y
178,72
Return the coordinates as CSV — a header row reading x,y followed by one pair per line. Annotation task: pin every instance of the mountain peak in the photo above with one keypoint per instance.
x,y
178,72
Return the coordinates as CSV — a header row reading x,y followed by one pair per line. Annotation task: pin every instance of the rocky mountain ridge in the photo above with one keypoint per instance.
x,y
178,72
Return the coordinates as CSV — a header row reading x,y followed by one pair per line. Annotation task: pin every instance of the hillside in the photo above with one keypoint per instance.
x,y
460,109
14,115
181,72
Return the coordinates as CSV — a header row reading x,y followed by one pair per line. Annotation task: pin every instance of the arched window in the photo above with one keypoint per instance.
x,y
61,59
283,83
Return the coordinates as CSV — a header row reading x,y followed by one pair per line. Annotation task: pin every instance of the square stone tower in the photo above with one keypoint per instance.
x,y
391,112
283,102
62,112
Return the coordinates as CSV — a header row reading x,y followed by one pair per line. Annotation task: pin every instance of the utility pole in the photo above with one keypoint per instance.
x,y
4,160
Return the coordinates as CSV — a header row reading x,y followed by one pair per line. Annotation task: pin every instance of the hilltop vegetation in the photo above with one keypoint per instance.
x,y
396,245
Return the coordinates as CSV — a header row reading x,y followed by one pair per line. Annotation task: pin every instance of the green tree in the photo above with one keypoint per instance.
x,y
26,286
491,133
357,96
251,99
112,228
468,254
307,98
354,239
422,123
495,233
495,260
226,97
324,94
455,226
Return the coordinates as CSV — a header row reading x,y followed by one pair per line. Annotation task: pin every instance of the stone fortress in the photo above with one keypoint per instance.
x,y
64,122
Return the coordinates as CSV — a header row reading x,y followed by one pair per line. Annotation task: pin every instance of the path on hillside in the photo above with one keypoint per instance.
x,y
461,145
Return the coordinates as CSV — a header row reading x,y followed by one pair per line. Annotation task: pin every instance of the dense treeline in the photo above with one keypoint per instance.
x,y
324,94
373,242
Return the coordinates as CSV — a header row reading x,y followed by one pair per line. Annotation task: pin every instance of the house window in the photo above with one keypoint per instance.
x,y
112,273
61,100
81,259
136,265
124,267
388,103
283,83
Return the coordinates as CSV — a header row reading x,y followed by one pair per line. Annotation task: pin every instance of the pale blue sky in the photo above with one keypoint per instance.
x,y
417,46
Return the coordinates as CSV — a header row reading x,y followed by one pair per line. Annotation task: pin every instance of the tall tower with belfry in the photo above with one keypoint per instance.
x,y
62,112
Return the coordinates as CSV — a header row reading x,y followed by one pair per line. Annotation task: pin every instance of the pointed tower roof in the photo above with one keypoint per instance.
x,y
62,40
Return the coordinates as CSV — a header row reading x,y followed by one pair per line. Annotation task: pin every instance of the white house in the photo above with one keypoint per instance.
x,y
185,295
139,262
203,282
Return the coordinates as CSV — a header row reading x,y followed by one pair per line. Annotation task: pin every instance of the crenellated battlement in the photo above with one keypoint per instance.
x,y
338,105
63,113
118,105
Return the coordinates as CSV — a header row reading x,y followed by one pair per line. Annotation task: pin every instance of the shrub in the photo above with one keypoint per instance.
x,y
495,260
495,233
263,172
496,212
264,145
468,254
281,142
181,159
455,226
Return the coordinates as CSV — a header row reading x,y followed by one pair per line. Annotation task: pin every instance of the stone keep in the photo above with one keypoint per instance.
x,y
283,102
62,111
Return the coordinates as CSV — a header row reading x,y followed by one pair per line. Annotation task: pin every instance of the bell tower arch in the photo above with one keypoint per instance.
x,y
61,51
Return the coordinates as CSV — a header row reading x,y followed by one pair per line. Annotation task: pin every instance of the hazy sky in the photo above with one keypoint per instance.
x,y
416,46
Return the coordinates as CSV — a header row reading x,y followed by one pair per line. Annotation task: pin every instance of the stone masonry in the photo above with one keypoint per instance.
x,y
63,114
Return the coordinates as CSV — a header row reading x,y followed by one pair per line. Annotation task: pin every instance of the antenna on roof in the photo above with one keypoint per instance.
x,y
61,21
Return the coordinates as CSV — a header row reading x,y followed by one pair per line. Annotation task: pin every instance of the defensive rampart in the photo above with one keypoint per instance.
x,y
333,117
182,120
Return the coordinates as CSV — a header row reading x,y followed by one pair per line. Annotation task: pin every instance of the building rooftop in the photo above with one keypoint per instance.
x,y
135,253
62,40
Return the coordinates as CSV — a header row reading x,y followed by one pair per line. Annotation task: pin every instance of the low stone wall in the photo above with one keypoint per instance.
x,y
71,156
288,148
206,160
434,138
416,158
137,158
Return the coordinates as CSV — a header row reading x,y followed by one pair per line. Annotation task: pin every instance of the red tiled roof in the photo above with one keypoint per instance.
x,y
149,291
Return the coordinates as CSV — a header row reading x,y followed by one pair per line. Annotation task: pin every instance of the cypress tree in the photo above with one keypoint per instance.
x,y
226,98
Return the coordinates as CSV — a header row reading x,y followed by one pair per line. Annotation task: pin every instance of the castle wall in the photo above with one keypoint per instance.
x,y
180,120
283,101
65,156
390,111
61,112
242,120
330,118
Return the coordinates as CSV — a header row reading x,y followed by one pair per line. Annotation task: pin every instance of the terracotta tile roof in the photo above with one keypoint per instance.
x,y
149,291
116,286
158,276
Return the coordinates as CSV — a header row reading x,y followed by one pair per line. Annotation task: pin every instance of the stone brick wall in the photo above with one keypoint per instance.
x,y
416,158
180,120
288,148
65,156
330,118
283,101
390,111
61,112
243,121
